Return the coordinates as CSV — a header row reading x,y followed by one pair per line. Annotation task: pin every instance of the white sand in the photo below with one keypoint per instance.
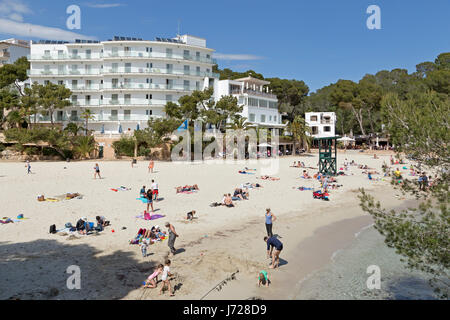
x,y
222,240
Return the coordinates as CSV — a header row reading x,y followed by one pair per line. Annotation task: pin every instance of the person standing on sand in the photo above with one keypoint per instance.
x,y
151,166
271,243
172,236
97,171
165,281
270,218
155,190
149,197
28,165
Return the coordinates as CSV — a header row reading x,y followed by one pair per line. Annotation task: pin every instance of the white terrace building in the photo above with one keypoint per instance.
x,y
260,107
13,49
322,124
123,81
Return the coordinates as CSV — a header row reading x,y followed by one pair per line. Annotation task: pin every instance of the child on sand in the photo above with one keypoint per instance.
x,y
152,279
263,278
165,280
144,244
151,166
97,171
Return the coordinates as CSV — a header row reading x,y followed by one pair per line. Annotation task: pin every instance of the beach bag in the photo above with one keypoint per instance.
x,y
53,228
147,216
41,198
68,225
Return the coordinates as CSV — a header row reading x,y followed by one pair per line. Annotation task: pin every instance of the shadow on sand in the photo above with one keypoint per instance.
x,y
38,270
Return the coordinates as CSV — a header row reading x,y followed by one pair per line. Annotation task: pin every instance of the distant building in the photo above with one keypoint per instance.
x,y
322,124
260,106
13,49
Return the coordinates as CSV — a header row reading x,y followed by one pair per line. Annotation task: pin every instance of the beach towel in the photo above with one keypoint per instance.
x,y
152,217
51,200
243,172
188,192
144,200
304,188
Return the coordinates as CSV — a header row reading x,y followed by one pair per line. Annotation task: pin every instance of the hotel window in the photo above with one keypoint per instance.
x,y
115,98
46,82
186,54
74,53
314,130
60,82
114,51
88,53
127,98
327,129
169,68
126,114
114,114
186,85
263,118
197,69
128,67
74,115
149,65
251,117
186,70
253,102
74,99
87,69
60,54
275,118
87,100
207,70
208,56
46,69
169,83
115,83
47,53
149,49
197,85
74,84
148,112
149,96
168,97
263,103
313,118
169,53
61,69
197,56
270,118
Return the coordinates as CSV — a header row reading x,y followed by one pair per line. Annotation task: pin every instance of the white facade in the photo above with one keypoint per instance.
x,y
260,107
322,124
13,49
124,81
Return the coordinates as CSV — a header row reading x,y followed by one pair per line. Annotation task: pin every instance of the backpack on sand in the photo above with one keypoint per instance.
x,y
53,228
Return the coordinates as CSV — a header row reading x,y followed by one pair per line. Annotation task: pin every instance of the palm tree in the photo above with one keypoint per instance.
x,y
73,128
84,145
299,130
87,115
239,123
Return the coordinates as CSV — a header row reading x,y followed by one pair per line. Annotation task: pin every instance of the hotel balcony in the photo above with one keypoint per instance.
x,y
43,73
160,71
65,56
156,55
255,93
148,86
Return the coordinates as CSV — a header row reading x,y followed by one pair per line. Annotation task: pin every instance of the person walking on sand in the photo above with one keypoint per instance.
x,y
151,166
172,236
165,280
97,171
28,165
271,243
270,218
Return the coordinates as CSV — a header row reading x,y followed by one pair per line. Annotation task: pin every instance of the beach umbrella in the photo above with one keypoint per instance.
x,y
120,128
266,145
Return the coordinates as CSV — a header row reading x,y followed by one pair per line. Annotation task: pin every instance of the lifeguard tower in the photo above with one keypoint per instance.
x,y
327,156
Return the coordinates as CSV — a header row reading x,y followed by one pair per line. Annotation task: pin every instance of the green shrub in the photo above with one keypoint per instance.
x,y
124,147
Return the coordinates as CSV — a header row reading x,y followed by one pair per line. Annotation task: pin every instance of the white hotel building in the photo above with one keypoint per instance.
x,y
322,124
260,106
123,81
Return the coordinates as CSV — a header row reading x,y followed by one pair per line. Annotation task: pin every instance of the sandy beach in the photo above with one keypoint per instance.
x,y
219,243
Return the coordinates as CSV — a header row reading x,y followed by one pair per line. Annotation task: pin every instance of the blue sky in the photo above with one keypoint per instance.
x,y
317,41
